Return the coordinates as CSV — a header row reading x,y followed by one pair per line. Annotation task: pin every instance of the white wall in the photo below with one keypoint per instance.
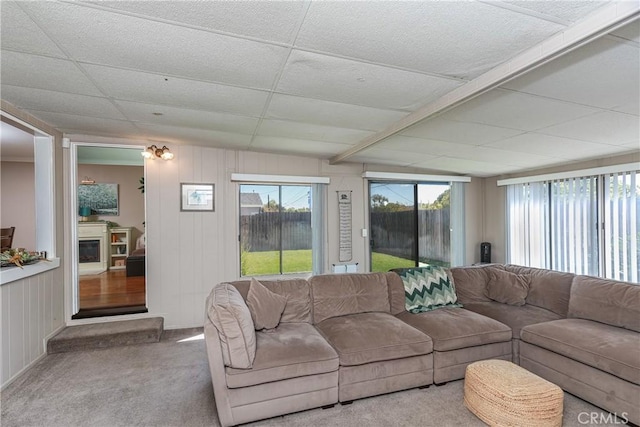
x,y
19,202
189,252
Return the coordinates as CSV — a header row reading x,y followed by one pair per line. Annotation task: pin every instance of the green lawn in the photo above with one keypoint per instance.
x,y
382,262
262,263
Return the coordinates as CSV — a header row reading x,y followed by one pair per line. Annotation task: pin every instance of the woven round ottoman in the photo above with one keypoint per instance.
x,y
501,393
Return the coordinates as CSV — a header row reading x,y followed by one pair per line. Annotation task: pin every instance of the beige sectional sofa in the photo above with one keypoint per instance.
x,y
579,332
348,336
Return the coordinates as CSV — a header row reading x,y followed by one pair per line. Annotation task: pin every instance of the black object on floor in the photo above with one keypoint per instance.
x,y
114,311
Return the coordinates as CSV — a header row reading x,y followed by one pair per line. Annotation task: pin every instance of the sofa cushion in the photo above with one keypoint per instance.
x,y
515,317
342,294
231,317
507,288
547,288
454,328
289,351
605,347
428,288
471,282
396,293
297,291
372,337
265,306
608,301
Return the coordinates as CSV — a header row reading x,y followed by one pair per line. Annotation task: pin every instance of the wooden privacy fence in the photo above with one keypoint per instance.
x,y
394,234
261,232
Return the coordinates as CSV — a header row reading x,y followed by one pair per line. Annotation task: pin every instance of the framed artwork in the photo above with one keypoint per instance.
x,y
102,199
197,197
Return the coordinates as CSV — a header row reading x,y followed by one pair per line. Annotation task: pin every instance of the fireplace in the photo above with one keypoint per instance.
x,y
92,247
89,251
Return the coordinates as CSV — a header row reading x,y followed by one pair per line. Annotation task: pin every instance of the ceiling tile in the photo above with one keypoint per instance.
x,y
248,18
342,80
114,39
466,166
461,132
517,111
630,31
382,154
306,131
567,10
606,128
377,160
296,146
603,73
190,136
171,116
20,33
505,157
71,123
158,89
547,145
405,144
331,113
447,38
41,72
635,145
59,102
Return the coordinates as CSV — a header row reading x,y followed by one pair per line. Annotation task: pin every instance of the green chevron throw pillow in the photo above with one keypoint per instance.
x,y
428,288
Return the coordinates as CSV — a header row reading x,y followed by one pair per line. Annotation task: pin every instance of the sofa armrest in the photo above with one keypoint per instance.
x,y
217,370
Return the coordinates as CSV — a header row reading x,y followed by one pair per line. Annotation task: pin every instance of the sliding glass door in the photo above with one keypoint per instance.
x,y
410,224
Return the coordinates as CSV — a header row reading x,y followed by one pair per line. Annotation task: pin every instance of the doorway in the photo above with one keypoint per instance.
x,y
410,224
110,245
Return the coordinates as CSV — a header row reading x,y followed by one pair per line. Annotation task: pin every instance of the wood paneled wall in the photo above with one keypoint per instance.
x,y
31,311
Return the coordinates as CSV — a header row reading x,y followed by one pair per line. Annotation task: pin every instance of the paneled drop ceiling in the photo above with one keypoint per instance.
x,y
319,79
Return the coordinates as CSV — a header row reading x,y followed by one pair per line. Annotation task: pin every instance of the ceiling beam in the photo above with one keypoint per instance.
x,y
606,19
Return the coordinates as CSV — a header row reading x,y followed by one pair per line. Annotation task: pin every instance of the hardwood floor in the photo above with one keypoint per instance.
x,y
111,289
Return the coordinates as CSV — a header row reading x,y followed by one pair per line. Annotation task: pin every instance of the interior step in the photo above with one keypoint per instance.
x,y
109,334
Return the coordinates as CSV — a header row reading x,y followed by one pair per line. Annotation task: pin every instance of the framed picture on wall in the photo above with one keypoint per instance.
x,y
102,199
197,197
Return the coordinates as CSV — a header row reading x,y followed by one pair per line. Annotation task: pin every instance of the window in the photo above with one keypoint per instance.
x,y
280,229
584,225
412,224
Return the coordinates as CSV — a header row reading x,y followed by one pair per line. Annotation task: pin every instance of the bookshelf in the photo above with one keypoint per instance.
x,y
120,247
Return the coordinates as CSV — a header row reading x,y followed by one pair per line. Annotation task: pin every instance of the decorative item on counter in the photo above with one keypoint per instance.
x,y
20,257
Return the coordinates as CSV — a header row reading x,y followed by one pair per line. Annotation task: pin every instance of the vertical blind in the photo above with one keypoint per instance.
x,y
527,224
584,225
621,199
574,225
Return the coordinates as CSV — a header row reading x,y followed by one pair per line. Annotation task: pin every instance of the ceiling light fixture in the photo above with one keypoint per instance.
x,y
153,151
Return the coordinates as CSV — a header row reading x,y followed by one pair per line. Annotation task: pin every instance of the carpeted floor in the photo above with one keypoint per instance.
x,y
168,384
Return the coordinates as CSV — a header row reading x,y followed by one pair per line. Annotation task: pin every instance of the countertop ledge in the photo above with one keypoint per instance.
x,y
11,274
